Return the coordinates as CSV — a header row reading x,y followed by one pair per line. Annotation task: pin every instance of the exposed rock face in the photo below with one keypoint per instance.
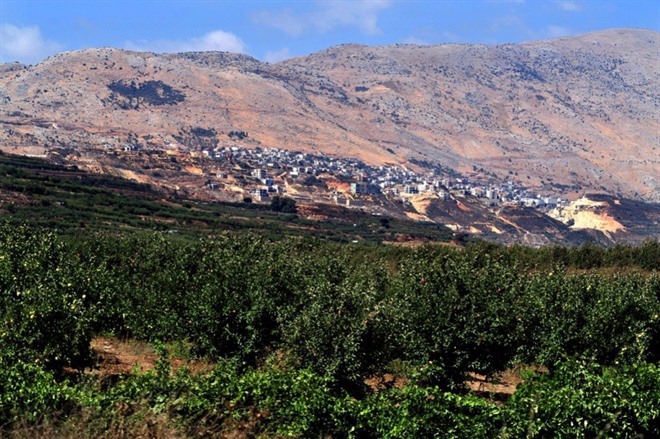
x,y
575,114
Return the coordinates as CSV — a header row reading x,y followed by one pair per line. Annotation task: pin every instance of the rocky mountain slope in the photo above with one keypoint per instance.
x,y
579,112
569,115
560,118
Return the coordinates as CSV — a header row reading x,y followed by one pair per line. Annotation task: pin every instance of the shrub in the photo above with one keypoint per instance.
x,y
581,399
48,300
283,204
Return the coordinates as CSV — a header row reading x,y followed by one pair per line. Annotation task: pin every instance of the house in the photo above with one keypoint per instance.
x,y
338,199
259,173
531,202
410,189
260,194
354,203
424,187
365,188
476,192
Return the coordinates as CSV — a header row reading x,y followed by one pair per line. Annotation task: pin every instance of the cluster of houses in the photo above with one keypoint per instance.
x,y
265,161
268,167
450,188
502,193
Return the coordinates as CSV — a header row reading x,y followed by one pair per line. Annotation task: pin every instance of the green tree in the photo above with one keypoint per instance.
x,y
283,204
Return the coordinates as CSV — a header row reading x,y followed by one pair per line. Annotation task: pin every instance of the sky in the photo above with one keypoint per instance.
x,y
31,30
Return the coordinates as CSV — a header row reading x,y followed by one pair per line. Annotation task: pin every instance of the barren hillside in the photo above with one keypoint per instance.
x,y
572,114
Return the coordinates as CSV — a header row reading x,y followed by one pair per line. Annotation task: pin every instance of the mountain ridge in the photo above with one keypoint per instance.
x,y
563,116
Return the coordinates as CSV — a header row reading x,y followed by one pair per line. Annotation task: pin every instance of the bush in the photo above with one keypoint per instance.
x,y
28,393
581,399
283,204
48,300
416,412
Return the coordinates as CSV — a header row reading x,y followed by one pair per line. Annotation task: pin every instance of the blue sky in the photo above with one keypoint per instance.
x,y
273,30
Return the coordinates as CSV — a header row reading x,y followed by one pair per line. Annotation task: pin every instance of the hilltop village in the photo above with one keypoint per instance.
x,y
261,173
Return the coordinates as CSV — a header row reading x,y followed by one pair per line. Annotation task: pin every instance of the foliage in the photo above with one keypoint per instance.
x,y
578,399
283,204
296,327
345,315
129,95
48,300
455,312
276,402
339,324
581,400
28,393
236,134
415,411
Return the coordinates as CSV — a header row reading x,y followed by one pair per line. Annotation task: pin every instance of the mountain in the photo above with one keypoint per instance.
x,y
572,113
562,117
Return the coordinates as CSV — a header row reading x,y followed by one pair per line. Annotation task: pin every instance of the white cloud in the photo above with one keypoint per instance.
x,y
24,44
216,40
566,5
557,31
328,15
277,55
362,14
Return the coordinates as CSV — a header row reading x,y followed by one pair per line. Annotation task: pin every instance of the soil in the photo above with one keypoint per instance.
x,y
385,381
121,357
501,386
